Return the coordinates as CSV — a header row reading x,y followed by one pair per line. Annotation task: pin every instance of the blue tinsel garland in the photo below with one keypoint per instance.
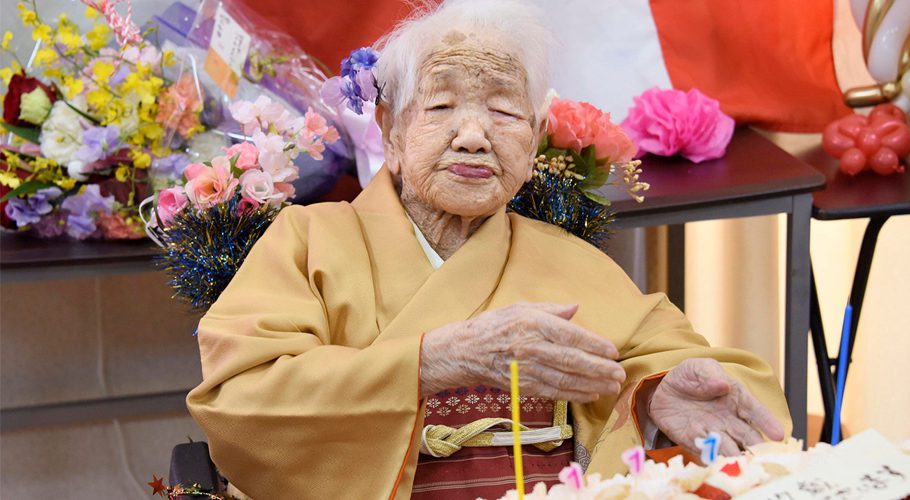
x,y
204,249
558,200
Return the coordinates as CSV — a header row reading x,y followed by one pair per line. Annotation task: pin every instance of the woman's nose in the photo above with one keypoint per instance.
x,y
471,137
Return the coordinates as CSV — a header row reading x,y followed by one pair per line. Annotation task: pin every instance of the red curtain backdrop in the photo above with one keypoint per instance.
x,y
768,62
331,29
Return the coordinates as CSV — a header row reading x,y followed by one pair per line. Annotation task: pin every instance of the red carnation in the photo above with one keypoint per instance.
x,y
18,85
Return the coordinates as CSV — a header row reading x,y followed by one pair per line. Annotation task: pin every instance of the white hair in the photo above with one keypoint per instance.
x,y
404,49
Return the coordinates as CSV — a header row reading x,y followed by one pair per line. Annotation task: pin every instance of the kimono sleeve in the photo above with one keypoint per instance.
x,y
287,413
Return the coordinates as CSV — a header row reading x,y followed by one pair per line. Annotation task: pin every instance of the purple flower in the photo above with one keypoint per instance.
x,y
363,58
331,91
170,166
366,84
356,84
97,142
120,75
29,210
82,208
51,225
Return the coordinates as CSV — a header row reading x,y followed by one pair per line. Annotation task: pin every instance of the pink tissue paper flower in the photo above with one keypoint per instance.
x,y
208,186
171,202
667,122
576,125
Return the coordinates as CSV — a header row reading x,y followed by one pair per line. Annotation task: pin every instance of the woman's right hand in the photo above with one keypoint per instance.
x,y
557,359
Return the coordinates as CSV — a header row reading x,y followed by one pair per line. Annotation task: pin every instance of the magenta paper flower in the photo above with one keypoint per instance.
x,y
669,122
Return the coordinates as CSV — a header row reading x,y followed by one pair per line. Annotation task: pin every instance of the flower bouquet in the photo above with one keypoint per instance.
x,y
208,225
273,65
93,129
582,152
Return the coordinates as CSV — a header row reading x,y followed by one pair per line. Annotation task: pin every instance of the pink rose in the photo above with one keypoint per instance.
x,y
273,158
207,186
248,155
667,122
171,202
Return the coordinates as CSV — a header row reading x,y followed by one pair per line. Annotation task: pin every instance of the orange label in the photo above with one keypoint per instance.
x,y
221,73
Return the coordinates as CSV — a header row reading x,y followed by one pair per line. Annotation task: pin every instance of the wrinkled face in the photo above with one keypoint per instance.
x,y
464,145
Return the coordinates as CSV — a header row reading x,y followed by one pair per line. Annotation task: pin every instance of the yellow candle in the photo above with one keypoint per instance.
x,y
516,432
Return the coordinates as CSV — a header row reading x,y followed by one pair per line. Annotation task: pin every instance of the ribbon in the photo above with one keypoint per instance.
x,y
123,27
443,441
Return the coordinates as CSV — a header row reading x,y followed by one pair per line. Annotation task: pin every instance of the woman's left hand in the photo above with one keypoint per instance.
x,y
698,397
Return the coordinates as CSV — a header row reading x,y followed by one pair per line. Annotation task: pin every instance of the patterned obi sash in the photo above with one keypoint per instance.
x,y
466,447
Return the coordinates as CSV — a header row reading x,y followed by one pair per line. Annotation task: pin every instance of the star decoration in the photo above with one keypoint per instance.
x,y
158,487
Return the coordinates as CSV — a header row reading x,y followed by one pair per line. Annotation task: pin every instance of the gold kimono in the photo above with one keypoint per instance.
x,y
311,356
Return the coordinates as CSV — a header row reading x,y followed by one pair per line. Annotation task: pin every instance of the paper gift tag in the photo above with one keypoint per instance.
x,y
227,53
865,467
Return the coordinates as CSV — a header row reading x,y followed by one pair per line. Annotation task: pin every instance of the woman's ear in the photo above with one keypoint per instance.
x,y
384,120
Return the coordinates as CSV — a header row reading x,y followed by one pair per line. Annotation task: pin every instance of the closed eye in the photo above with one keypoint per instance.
x,y
505,114
439,107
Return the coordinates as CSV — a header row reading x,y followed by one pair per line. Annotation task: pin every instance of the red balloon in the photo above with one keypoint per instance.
x,y
877,142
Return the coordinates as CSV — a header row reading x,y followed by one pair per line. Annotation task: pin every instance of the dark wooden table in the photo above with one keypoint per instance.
x,y
25,258
755,177
866,195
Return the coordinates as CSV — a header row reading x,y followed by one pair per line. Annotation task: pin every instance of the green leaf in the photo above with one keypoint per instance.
x,y
27,187
588,154
580,166
83,113
595,178
28,133
596,198
544,145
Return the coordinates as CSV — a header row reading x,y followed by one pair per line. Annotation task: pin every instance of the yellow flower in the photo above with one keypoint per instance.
x,y
6,74
91,13
122,173
98,36
167,57
9,179
45,56
98,99
53,73
70,38
66,183
103,71
141,159
29,18
72,86
42,163
42,32
7,37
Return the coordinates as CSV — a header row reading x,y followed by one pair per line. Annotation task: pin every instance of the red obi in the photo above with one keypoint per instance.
x,y
486,471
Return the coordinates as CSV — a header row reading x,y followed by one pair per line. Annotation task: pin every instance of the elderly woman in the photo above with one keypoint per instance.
x,y
357,338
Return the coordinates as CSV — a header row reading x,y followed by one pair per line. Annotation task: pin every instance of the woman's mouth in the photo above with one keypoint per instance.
x,y
470,171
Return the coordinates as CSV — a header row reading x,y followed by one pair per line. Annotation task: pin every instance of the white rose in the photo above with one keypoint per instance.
x,y
61,133
259,186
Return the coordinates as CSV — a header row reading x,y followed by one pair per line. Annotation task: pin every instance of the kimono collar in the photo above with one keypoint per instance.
x,y
409,293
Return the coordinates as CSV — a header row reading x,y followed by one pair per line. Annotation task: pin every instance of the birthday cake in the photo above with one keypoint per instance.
x,y
870,467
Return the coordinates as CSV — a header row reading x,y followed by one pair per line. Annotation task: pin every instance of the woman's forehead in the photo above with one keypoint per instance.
x,y
472,61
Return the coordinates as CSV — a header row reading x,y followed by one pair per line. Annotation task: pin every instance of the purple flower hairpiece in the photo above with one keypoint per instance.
x,y
356,84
